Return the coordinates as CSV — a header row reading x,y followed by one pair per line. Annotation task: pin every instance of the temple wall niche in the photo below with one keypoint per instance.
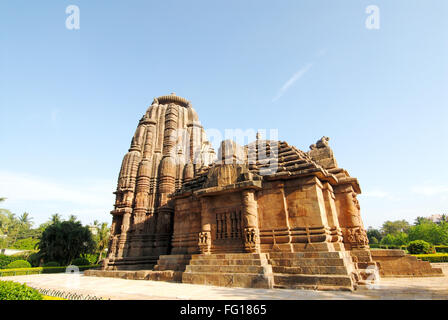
x,y
187,225
271,210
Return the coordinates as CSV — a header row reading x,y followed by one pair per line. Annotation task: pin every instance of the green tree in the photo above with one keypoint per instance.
x,y
393,227
430,232
397,239
55,218
421,220
72,218
65,241
374,235
443,219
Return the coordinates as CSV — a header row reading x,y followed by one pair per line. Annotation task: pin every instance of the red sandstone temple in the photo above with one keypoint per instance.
x,y
263,215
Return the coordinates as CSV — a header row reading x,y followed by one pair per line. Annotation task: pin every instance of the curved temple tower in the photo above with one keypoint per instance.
x,y
261,215
168,146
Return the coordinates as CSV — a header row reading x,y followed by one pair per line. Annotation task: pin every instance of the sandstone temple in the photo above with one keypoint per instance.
x,y
261,215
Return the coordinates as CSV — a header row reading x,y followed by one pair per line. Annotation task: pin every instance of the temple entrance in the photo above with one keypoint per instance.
x,y
227,231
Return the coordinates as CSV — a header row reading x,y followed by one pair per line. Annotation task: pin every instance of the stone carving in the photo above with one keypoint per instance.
x,y
357,237
321,143
204,238
204,242
250,235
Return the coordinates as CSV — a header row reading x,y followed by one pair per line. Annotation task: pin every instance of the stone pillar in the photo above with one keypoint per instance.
x,y
355,236
205,236
332,216
250,222
122,242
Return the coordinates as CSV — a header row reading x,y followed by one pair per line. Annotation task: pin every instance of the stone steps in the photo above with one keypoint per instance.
x,y
396,263
225,269
315,282
308,262
309,254
242,280
313,270
175,262
245,270
228,256
224,262
325,270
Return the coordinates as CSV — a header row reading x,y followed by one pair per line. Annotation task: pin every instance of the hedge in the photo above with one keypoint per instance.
x,y
388,246
10,290
5,260
39,270
441,249
435,257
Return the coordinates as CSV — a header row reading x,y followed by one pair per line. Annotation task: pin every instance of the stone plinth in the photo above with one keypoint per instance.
x,y
396,263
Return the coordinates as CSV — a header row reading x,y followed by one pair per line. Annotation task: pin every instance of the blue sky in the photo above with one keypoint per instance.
x,y
70,100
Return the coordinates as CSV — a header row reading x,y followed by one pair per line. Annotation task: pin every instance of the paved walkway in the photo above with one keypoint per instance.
x,y
113,288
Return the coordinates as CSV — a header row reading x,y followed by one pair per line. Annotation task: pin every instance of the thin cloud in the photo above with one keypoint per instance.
x,y
375,194
431,190
23,186
299,74
379,194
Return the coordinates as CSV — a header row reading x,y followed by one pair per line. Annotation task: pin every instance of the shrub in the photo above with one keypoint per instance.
x,y
81,262
10,290
441,249
92,258
51,264
438,257
420,247
5,260
18,264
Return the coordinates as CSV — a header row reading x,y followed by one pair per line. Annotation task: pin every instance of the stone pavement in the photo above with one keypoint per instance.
x,y
122,289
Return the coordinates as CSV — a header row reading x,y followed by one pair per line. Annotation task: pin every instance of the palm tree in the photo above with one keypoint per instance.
x,y
72,218
25,219
55,218
102,239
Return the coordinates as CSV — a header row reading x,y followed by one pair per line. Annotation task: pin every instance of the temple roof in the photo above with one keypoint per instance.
x,y
290,162
172,98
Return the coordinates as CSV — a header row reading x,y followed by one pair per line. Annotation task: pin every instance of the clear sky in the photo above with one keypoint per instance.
x,y
70,100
